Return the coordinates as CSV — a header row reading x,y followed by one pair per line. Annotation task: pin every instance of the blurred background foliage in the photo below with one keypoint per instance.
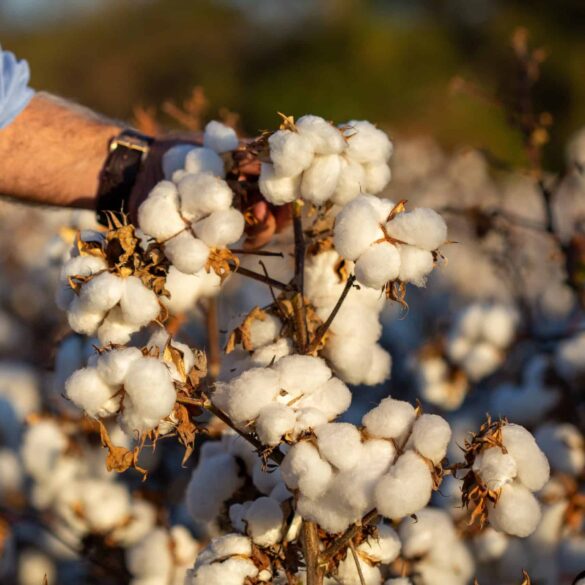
x,y
392,61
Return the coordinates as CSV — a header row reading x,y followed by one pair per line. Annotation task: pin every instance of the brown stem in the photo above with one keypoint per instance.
x,y
257,252
357,562
299,278
311,553
260,277
213,347
348,535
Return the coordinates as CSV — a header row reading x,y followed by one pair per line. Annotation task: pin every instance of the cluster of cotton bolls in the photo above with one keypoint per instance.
x,y
191,214
318,162
386,243
479,338
344,473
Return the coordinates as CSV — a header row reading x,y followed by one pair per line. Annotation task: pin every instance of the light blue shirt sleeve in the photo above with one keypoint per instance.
x,y
14,90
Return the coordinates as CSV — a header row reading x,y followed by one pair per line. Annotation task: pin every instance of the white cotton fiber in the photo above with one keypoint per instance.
x,y
381,205
303,469
271,353
379,264
82,266
309,418
220,228
42,446
419,536
421,227
274,421
115,329
495,468
265,479
340,444
378,175
482,359
324,137
139,304
569,357
113,365
333,398
264,519
499,325
366,143
233,571
158,214
353,319
203,193
564,447
290,152
204,160
347,572
101,293
83,321
219,137
415,265
390,419
356,227
384,547
430,436
277,189
320,179
351,182
225,546
517,512
187,289
214,481
302,374
264,331
380,366
86,389
174,159
187,253
533,467
406,488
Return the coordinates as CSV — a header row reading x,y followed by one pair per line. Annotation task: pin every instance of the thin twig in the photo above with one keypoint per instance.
x,y
348,535
213,347
357,562
260,277
257,252
299,278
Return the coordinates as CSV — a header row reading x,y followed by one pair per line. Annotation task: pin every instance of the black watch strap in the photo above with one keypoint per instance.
x,y
126,153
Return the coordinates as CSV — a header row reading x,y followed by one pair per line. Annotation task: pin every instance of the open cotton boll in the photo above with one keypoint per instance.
x,y
351,181
302,373
139,304
421,227
42,447
489,545
495,468
380,366
482,359
174,159
470,321
356,227
320,179
204,160
340,444
517,512
499,324
265,480
351,358
390,419
86,389
303,469
406,488
382,206
105,504
569,357
220,228
113,365
213,482
219,137
430,436
158,214
151,557
115,329
278,189
225,546
101,293
271,353
384,547
366,143
564,447
326,511
264,521
35,567
533,467
82,266
333,398
187,289
415,265
264,331
290,152
203,193
377,176
309,418
353,319
237,513
347,572
232,571
324,137
186,252
420,536
83,321
379,264
274,421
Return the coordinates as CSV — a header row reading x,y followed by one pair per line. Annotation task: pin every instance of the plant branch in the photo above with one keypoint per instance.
x,y
298,300
256,252
311,553
348,535
259,277
214,350
357,562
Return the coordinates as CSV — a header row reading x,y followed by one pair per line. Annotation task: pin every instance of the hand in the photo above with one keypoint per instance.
x,y
270,219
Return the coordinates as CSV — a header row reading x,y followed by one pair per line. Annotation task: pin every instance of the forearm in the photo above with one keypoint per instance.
x,y
53,153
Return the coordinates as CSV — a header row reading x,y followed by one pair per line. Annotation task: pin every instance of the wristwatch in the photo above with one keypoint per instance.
x,y
127,152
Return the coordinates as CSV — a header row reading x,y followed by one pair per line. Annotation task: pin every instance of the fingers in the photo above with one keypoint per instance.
x,y
261,232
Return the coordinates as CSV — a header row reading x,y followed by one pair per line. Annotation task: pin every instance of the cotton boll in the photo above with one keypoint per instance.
x,y
112,366
517,511
350,357
406,488
34,567
115,329
204,160
489,545
419,536
106,504
264,521
221,228
327,512
495,468
278,189
151,557
158,214
533,467
384,547
482,360
356,227
42,447
237,513
366,143
274,421
378,175
203,193
82,266
309,418
499,325
265,480
430,436
381,205
333,398
142,520
340,444
187,289
139,304
233,571
323,136
390,419
219,137
379,264
351,181
421,227
569,357
271,353
225,546
290,152
264,331
101,293
86,389
353,319
83,321
304,469
302,374
347,572
320,179
564,447
415,265
174,159
380,366
186,252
